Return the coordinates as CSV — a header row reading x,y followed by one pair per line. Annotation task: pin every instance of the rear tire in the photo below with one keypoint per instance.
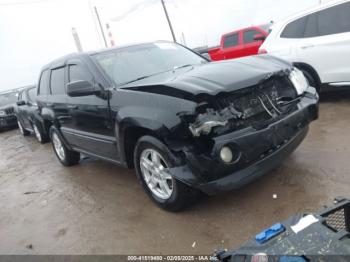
x,y
178,195
23,131
65,156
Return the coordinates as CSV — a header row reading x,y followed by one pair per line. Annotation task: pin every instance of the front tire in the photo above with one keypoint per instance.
x,y
65,156
152,161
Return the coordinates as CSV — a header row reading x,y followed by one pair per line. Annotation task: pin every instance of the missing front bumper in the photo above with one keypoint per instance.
x,y
244,176
261,150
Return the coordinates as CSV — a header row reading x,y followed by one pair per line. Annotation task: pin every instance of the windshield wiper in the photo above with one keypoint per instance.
x,y
143,77
134,80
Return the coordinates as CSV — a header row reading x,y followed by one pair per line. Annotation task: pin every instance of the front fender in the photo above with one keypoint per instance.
x,y
155,122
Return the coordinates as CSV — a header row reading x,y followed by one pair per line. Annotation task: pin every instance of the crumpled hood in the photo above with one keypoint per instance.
x,y
214,77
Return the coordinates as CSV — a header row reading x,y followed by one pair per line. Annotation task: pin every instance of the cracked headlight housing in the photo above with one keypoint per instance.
x,y
299,81
2,113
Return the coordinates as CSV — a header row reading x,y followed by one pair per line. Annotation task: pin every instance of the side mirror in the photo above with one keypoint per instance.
x,y
21,103
207,56
259,37
81,88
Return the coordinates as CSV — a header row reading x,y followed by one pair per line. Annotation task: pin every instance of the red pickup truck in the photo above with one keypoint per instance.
x,y
243,42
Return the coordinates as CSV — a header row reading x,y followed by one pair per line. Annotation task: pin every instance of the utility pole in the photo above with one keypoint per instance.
x,y
76,39
99,22
167,17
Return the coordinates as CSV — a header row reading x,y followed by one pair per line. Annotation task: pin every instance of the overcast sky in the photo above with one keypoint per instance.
x,y
33,32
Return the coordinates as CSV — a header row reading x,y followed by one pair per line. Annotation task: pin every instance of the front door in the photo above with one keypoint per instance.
x,y
90,122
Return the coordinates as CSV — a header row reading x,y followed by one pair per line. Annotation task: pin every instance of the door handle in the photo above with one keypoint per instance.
x,y
49,104
72,107
307,46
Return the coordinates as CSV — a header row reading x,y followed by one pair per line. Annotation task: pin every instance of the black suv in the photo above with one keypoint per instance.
x,y
186,124
28,117
8,101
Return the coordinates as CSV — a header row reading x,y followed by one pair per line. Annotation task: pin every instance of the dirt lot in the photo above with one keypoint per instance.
x,y
99,208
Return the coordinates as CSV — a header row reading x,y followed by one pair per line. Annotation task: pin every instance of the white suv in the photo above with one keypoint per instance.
x,y
317,41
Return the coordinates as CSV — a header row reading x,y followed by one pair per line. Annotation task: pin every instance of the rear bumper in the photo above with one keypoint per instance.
x,y
256,151
8,121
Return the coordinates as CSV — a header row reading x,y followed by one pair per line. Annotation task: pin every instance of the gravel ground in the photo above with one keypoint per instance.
x,y
100,208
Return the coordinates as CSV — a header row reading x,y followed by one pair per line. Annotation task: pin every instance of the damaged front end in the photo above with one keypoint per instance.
x,y
240,135
255,106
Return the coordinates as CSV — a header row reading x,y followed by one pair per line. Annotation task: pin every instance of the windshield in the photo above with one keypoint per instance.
x,y
132,63
9,98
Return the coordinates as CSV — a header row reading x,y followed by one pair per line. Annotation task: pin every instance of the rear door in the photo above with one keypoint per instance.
x,y
23,110
45,107
326,43
20,111
90,122
57,101
32,104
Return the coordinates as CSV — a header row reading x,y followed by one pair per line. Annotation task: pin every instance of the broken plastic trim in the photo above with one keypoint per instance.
x,y
206,127
205,122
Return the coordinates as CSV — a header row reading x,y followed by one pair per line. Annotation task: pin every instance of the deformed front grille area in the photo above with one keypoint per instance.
x,y
262,103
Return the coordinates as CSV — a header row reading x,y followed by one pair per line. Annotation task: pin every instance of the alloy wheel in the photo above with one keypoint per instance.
x,y
155,172
58,146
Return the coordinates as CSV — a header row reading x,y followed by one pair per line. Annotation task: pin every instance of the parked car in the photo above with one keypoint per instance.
x,y
240,43
185,124
317,42
28,118
7,115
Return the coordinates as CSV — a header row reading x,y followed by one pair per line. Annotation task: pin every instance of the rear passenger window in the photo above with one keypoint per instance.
x,y
248,36
57,81
334,20
44,83
231,40
311,28
295,29
77,72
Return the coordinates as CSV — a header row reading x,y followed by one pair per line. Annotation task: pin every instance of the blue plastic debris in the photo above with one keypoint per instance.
x,y
292,259
269,233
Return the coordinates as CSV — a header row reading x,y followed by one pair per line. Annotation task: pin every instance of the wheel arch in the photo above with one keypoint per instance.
x,y
130,131
57,130
310,69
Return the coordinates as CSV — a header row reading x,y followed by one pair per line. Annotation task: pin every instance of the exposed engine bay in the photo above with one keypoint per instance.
x,y
254,106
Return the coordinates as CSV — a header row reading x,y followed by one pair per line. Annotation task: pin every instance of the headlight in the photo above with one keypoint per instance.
x,y
2,113
299,81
